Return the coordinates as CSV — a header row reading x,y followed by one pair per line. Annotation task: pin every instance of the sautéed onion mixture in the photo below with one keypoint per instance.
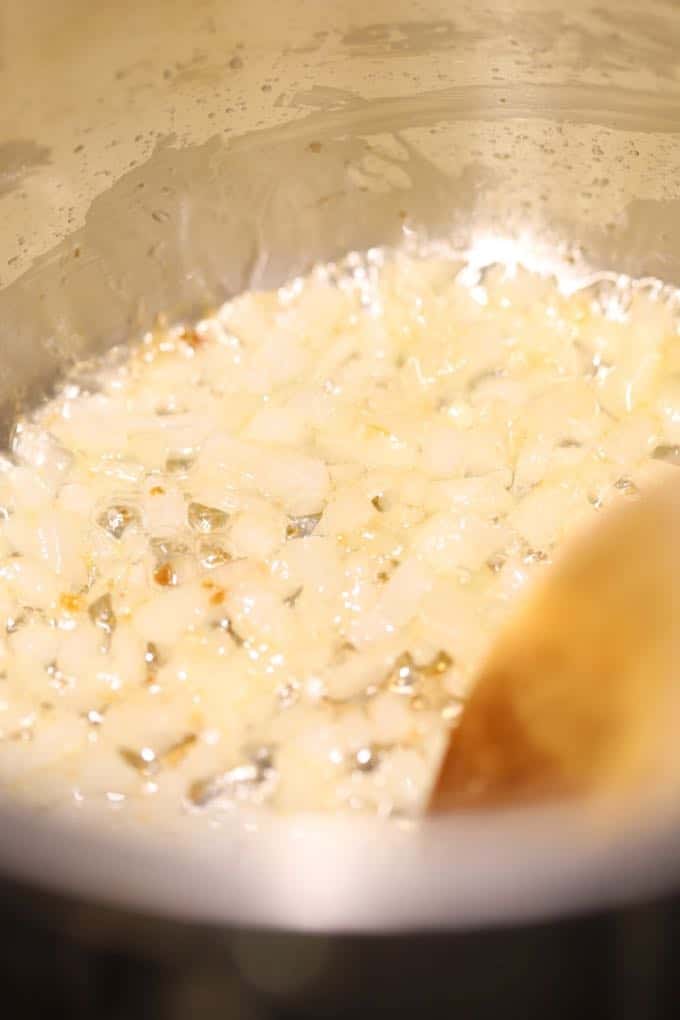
x,y
257,561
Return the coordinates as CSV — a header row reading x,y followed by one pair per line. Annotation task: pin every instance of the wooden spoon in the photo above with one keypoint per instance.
x,y
581,693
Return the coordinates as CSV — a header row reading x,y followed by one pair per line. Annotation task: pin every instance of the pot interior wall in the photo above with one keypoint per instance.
x,y
157,158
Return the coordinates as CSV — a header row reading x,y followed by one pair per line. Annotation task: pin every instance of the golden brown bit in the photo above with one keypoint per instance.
x,y
24,734
148,763
179,463
256,773
212,555
301,527
315,147
343,651
157,490
496,563
102,615
669,453
116,519
151,658
440,664
380,503
165,575
627,486
291,599
144,761
71,603
206,518
208,583
404,676
178,751
192,338
217,597
224,624
420,682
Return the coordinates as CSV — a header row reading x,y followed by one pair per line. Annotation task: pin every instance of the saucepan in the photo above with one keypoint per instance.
x,y
160,156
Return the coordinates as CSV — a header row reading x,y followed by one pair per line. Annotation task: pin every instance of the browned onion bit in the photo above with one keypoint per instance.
x,y
206,518
627,486
291,599
439,664
404,675
102,615
148,763
257,775
301,527
366,759
117,519
178,751
151,656
212,555
179,463
145,761
165,575
671,454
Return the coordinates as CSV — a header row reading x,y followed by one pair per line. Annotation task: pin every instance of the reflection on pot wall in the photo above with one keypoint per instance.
x,y
159,157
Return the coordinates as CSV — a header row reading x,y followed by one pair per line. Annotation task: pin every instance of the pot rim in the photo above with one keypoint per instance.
x,y
332,875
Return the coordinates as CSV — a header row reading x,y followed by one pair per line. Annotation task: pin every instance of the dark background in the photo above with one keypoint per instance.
x,y
61,959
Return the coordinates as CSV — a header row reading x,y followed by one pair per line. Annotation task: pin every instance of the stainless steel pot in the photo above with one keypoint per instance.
x,y
161,156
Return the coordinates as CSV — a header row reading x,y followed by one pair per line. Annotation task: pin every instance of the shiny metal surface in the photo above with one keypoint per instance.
x,y
160,156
